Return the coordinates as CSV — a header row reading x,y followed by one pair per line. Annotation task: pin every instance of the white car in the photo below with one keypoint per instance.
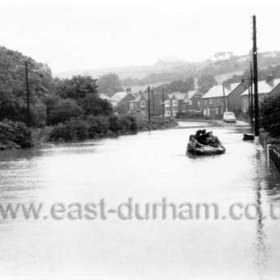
x,y
229,117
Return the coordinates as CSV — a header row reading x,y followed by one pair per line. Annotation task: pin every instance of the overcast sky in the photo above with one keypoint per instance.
x,y
69,34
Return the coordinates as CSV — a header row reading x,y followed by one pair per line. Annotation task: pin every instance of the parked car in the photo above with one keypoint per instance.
x,y
229,117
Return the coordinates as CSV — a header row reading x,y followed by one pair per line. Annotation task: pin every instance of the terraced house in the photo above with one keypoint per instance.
x,y
121,101
265,88
139,106
178,102
174,103
169,104
221,98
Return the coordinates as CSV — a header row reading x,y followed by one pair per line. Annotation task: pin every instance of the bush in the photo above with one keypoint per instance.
x,y
156,123
75,130
97,126
128,124
93,105
114,124
15,134
61,133
64,111
270,115
94,127
38,115
123,125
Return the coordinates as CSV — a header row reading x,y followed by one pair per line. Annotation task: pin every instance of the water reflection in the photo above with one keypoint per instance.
x,y
260,244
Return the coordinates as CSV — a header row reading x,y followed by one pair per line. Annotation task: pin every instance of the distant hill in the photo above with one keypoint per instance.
x,y
222,65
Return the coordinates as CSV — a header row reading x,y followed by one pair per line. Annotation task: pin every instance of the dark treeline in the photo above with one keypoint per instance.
x,y
72,107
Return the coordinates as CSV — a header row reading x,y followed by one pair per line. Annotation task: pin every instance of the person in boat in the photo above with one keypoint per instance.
x,y
200,135
212,140
194,143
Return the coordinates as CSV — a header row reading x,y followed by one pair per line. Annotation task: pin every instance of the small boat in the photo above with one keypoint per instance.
x,y
206,150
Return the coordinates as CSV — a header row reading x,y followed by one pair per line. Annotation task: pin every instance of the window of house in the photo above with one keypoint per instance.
x,y
167,113
143,103
167,103
210,101
175,113
175,102
217,111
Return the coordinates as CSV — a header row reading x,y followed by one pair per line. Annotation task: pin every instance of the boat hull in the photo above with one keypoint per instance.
x,y
206,150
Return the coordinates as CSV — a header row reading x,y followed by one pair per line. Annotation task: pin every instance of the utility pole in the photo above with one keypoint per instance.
x,y
27,94
251,95
255,71
149,108
224,98
153,102
249,101
162,103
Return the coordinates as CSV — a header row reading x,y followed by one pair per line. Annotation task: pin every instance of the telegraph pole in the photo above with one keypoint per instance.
x,y
251,95
255,71
27,94
149,108
153,102
249,101
224,98
162,103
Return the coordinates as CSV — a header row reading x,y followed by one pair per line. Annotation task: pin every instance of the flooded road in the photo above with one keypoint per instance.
x,y
145,168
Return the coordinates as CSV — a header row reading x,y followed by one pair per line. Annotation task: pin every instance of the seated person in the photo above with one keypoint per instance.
x,y
194,142
200,135
212,140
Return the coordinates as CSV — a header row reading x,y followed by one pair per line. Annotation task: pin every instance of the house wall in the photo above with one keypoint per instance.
x,y
235,99
214,107
156,104
123,106
195,103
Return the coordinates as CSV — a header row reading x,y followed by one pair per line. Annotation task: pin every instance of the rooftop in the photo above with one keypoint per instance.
x,y
178,95
119,96
264,87
217,91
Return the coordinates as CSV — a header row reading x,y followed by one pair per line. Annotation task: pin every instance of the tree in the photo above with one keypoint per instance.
x,y
50,102
109,84
13,85
205,82
64,111
77,88
270,115
93,105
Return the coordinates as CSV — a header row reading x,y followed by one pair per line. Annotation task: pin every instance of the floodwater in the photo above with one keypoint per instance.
x,y
145,168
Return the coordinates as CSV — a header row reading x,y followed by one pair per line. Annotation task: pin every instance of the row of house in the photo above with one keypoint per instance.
x,y
235,97
220,98
168,105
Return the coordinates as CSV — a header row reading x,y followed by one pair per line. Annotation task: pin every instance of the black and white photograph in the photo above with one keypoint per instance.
x,y
139,140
